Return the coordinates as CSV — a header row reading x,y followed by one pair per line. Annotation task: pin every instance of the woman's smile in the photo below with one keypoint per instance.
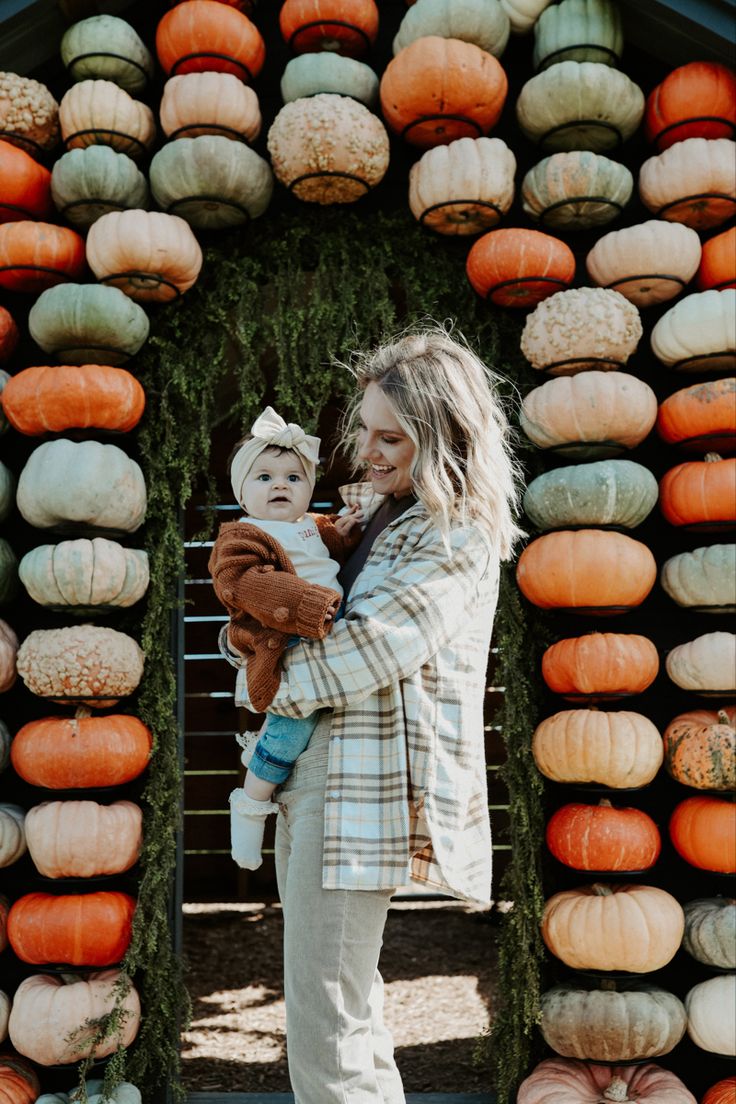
x,y
383,445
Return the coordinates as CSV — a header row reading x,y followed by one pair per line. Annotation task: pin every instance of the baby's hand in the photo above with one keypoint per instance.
x,y
346,522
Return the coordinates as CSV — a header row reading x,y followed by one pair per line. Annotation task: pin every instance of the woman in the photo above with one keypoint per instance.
x,y
392,784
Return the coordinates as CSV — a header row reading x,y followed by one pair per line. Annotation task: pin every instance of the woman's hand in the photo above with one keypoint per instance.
x,y
346,522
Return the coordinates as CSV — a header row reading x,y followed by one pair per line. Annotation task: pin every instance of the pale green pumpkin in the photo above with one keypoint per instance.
x,y
85,574
104,47
323,71
482,22
576,190
7,491
89,182
88,324
702,580
578,30
710,931
608,492
123,1093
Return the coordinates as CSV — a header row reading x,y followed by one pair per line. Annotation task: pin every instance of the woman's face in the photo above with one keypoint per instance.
x,y
383,445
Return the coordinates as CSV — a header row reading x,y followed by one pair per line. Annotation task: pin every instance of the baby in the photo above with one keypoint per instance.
x,y
275,571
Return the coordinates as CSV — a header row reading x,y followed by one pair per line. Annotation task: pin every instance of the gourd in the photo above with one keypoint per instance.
x,y
585,571
579,105
9,335
45,399
576,190
308,74
107,48
693,182
87,183
26,185
600,666
85,576
705,665
700,749
569,1081
703,832
464,187
578,30
209,103
152,257
328,149
609,492
601,838
29,114
345,27
648,263
703,580
722,1092
86,483
86,323
36,255
211,181
697,100
718,262
523,14
85,663
519,268
54,1021
438,89
482,22
8,653
81,752
711,1014
194,37
634,928
618,749
700,493
89,929
581,329
13,839
710,931
19,1082
98,112
589,416
701,417
698,334
82,839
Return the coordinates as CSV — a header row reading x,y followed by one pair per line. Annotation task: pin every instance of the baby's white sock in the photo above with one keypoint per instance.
x,y
247,825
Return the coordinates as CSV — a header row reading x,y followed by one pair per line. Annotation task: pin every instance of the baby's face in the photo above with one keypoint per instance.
x,y
276,488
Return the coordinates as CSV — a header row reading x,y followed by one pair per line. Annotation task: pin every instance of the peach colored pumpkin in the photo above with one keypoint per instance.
x,y
83,839
692,182
151,256
570,1081
209,103
618,749
647,263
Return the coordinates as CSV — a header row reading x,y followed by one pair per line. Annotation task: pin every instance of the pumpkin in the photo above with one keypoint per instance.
x,y
9,335
13,842
98,112
723,1092
648,263
308,74
703,832
711,1014
611,1023
84,323
211,181
123,1093
568,1081
718,262
4,1017
438,89
583,328
55,1020
81,663
81,752
89,182
700,493
26,186
703,580
618,749
8,653
150,256
698,334
609,492
85,576
82,484
464,187
710,931
7,482
700,749
195,36
104,47
523,14
701,417
209,103
345,27
697,100
589,416
328,149
634,928
37,255
50,399
519,268
576,190
29,114
692,182
578,30
88,929
601,838
482,22
19,1083
586,571
600,666
579,105
82,839
706,665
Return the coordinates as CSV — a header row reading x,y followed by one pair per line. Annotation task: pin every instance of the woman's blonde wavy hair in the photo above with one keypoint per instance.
x,y
446,401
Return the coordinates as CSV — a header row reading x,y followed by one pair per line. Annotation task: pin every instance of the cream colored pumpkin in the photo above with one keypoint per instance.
x,y
693,181
13,843
209,103
5,1004
464,187
85,573
578,30
703,580
81,663
98,112
523,14
618,748
82,839
698,334
151,256
485,23
576,190
711,1014
647,263
581,328
8,653
705,665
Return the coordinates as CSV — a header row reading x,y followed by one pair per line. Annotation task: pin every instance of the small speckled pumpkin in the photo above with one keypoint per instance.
x,y
700,749
83,663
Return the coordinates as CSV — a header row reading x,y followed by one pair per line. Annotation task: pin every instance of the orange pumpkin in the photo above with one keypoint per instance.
x,y
586,571
438,89
718,262
46,399
700,748
600,666
37,255
198,36
9,335
723,1092
18,1081
703,832
88,929
700,494
600,838
697,100
25,186
519,268
700,417
347,27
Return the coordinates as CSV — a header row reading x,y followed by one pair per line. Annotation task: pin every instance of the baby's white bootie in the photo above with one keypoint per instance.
x,y
247,825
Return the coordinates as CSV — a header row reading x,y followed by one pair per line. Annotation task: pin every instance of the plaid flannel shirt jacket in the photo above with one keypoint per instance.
x,y
404,673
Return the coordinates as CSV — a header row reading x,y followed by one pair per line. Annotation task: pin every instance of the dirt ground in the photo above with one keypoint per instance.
x,y
438,963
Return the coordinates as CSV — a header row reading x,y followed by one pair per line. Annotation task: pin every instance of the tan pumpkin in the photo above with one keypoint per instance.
x,y
99,112
576,190
13,841
600,666
634,928
83,839
618,749
700,749
85,575
569,1081
581,329
647,263
693,182
710,931
703,580
705,665
151,256
82,663
700,418
209,103
462,188
711,1014
8,653
698,334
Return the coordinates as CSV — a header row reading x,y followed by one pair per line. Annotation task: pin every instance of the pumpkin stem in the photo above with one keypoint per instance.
x,y
598,889
712,457
81,713
617,1091
723,717
608,985
604,803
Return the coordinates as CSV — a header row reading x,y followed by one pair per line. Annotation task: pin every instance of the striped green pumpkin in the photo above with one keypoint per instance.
x,y
605,493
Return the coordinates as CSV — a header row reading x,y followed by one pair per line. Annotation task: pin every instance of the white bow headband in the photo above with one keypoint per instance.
x,y
270,430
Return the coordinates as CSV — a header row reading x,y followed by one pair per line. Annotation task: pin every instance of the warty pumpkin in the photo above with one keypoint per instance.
x,y
647,263
13,840
88,182
578,30
8,653
151,256
603,839
98,112
464,187
482,22
570,1081
580,329
693,182
700,418
705,665
104,47
29,114
46,399
698,334
19,1082
607,492
703,580
345,27
618,749
710,931
700,494
599,666
576,190
83,839
36,255
697,100
711,1014
87,323
81,663
703,832
209,103
700,749
26,186
195,37
85,576
717,268
87,929
519,268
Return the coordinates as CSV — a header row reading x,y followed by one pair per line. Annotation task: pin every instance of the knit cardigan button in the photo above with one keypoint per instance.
x,y
273,642
281,613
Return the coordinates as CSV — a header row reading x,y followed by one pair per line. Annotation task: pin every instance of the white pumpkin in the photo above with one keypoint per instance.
x,y
12,833
711,1014
322,71
698,334
693,181
704,579
84,573
578,30
706,665
648,263
485,23
464,187
579,329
